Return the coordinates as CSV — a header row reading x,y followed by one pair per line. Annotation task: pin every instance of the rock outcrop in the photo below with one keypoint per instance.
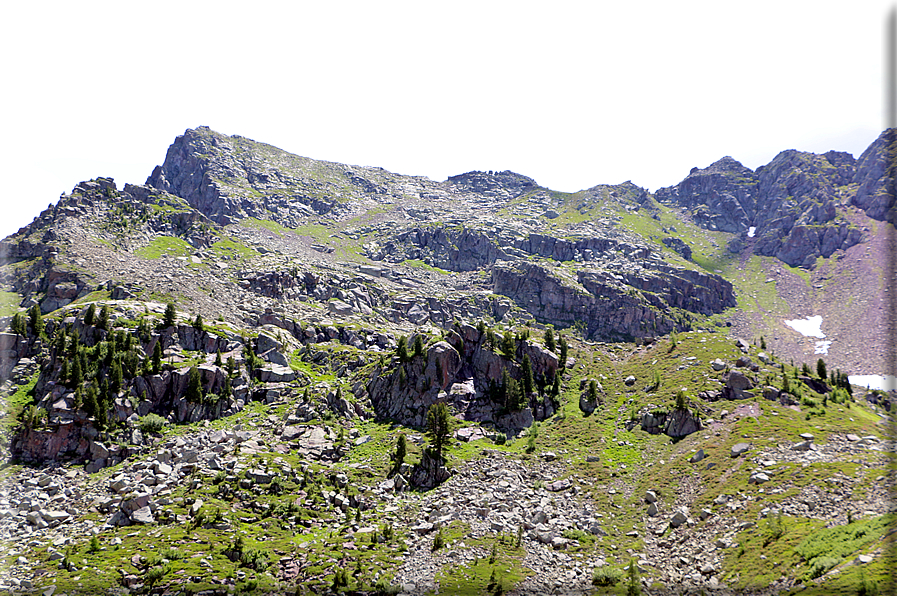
x,y
613,305
789,208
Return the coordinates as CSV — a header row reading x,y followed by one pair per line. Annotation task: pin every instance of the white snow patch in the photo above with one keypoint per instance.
x,y
751,231
809,327
884,382
822,346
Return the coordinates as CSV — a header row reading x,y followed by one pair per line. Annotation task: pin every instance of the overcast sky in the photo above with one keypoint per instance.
x,y
572,94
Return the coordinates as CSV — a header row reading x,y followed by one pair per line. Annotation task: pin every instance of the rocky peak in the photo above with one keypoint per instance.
x,y
875,176
506,184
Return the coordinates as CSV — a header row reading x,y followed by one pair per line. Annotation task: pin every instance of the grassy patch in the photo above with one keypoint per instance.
x,y
496,570
418,264
266,224
9,303
227,248
18,401
164,245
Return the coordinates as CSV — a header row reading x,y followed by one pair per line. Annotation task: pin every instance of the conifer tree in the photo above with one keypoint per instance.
x,y
562,357
418,345
402,349
103,318
90,400
169,316
635,585
197,322
18,325
527,376
401,450
116,377
76,375
104,402
821,372
89,315
549,339
218,358
194,386
157,356
507,344
36,320
439,426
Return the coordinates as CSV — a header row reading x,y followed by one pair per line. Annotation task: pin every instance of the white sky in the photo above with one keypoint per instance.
x,y
572,94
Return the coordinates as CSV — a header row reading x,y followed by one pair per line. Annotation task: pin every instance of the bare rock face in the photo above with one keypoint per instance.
x,y
792,202
465,382
429,472
214,173
610,301
677,423
875,176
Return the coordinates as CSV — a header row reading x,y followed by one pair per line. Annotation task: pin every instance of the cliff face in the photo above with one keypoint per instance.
x,y
796,203
612,306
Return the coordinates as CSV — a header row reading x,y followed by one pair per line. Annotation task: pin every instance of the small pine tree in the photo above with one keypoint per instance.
x,y
64,373
514,398
90,400
507,344
418,345
103,318
218,358
439,426
59,343
562,357
116,377
549,339
77,373
821,372
556,386
75,343
89,315
762,343
194,386
786,384
681,400
103,404
231,366
635,585
36,320
157,356
226,391
169,316
593,391
401,450
197,322
402,349
481,328
18,325
527,376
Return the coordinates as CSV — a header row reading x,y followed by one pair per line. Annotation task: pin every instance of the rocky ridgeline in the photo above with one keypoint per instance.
x,y
629,292
795,203
614,303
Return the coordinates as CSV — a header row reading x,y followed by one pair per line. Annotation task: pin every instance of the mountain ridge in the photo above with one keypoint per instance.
x,y
244,362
